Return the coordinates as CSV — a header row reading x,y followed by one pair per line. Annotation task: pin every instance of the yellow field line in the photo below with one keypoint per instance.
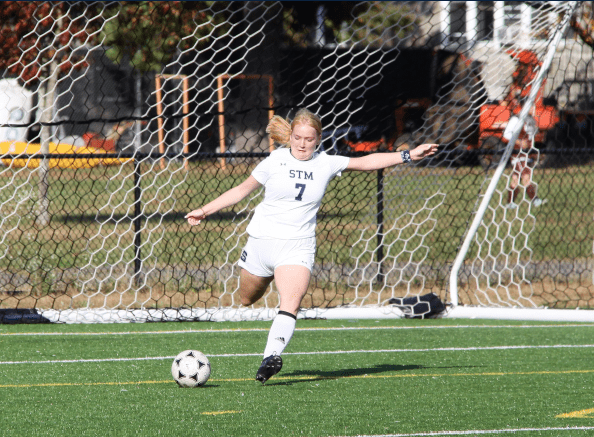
x,y
413,375
310,377
216,413
578,414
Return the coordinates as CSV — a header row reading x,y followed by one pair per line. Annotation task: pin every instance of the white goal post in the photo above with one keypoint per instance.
x,y
505,312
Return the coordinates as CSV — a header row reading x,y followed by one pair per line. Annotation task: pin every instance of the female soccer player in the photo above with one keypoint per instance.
x,y
282,242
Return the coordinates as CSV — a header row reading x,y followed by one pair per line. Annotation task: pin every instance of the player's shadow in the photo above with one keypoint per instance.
x,y
343,373
320,375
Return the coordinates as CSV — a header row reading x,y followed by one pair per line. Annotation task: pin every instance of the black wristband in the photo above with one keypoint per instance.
x,y
405,155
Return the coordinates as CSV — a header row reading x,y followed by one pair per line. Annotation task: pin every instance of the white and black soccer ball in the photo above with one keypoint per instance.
x,y
190,368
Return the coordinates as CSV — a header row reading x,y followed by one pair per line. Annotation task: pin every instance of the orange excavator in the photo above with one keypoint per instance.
x,y
494,118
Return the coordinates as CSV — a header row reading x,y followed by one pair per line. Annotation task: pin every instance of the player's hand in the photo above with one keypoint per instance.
x,y
195,217
423,150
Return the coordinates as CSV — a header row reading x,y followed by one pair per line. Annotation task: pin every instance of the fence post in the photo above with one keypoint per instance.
x,y
137,222
380,226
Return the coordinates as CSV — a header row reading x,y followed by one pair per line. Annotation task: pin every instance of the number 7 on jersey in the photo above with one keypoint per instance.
x,y
301,188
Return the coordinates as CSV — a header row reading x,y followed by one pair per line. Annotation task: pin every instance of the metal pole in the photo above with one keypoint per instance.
x,y
186,122
380,226
221,107
270,110
160,133
137,223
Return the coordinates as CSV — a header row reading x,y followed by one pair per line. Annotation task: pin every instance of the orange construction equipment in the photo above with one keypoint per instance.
x,y
494,118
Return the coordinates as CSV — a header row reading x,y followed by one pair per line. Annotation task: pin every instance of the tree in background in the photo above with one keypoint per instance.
x,y
36,36
151,34
40,42
583,23
373,23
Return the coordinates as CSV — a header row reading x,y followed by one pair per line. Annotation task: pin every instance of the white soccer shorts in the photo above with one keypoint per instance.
x,y
261,257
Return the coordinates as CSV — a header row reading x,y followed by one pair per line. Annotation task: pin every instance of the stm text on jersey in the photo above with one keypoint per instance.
x,y
293,192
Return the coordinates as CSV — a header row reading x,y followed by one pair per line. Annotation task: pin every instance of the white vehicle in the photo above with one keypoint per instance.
x,y
15,108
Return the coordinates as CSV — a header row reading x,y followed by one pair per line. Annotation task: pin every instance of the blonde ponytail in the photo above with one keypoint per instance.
x,y
279,130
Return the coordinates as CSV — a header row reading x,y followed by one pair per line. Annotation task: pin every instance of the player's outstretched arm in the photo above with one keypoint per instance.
x,y
377,161
228,198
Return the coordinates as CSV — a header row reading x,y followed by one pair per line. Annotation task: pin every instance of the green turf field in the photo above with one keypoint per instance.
x,y
340,378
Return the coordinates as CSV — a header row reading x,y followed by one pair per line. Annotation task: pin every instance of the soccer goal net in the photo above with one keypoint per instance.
x,y
118,118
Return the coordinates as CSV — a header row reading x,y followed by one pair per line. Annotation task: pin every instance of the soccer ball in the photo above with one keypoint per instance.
x,y
190,368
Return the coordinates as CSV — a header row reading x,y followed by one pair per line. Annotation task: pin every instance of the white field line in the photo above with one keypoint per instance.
x,y
444,349
482,432
338,328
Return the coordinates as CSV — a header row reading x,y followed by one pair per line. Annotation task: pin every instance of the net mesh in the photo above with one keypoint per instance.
x,y
117,118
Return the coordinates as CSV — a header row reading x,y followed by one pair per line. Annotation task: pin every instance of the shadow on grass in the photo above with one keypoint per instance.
x,y
342,373
319,375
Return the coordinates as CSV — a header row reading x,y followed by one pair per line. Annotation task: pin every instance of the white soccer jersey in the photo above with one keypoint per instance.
x,y
293,193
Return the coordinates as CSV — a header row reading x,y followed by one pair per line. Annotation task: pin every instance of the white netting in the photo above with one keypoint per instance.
x,y
177,97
